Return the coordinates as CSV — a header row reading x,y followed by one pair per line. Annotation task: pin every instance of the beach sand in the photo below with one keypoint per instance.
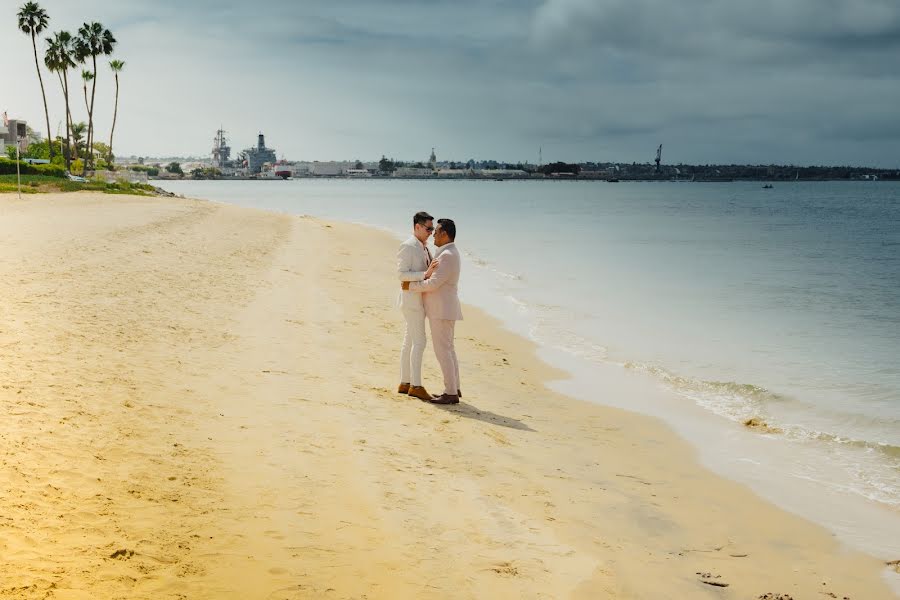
x,y
198,401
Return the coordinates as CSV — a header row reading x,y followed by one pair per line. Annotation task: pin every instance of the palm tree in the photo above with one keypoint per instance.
x,y
93,40
87,76
33,20
59,59
116,66
78,131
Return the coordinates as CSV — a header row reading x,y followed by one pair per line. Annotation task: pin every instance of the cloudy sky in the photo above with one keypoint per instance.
x,y
798,81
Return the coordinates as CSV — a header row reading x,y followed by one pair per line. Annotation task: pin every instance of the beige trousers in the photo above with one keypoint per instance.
x,y
414,342
442,332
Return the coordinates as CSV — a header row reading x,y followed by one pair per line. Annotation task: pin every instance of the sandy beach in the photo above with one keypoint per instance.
x,y
198,401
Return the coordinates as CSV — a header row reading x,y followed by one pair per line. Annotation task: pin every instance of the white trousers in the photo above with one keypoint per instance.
x,y
414,342
442,332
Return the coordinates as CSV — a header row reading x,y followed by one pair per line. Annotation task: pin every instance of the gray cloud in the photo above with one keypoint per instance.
x,y
810,81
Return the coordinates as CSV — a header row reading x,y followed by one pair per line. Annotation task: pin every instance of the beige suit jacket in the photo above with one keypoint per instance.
x,y
412,262
441,291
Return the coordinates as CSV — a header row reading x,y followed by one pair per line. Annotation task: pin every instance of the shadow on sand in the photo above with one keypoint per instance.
x,y
470,412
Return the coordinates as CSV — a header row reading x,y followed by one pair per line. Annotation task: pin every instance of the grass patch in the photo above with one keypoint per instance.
x,y
44,183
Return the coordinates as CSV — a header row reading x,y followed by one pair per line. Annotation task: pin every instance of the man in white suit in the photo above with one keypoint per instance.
x,y
414,264
441,295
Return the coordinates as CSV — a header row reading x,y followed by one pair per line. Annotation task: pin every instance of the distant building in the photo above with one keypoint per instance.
x,y
510,173
457,173
413,172
328,168
3,132
298,169
8,138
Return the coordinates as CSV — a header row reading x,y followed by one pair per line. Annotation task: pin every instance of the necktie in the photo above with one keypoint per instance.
x,y
428,256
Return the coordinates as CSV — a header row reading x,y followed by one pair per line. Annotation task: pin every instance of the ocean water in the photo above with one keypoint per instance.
x,y
740,302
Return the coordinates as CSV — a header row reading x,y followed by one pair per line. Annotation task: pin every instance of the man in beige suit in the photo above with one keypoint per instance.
x,y
440,293
414,264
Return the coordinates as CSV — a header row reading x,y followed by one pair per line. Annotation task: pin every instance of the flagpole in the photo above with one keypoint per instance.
x,y
18,170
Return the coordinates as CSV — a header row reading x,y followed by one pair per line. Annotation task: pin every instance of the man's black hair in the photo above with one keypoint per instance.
x,y
420,218
448,226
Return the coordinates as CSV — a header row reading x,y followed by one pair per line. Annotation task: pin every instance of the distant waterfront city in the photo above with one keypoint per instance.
x,y
261,162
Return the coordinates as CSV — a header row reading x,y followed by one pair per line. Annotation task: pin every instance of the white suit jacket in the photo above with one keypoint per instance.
x,y
441,290
412,262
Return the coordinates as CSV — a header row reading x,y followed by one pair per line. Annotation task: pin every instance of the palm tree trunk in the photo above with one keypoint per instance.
x,y
43,94
69,122
87,107
67,148
115,114
91,116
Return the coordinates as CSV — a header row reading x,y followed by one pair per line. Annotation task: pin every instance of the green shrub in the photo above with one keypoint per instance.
x,y
8,167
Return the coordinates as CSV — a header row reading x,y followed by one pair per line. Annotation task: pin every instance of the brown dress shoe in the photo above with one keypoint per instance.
x,y
403,389
419,392
445,399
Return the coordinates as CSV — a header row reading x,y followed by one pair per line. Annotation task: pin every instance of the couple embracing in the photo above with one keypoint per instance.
x,y
429,287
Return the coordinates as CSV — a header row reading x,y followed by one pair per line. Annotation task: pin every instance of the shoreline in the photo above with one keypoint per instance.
x,y
514,178
749,454
210,329
782,468
722,445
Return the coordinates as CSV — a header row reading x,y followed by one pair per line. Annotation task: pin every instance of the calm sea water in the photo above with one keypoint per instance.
x,y
780,304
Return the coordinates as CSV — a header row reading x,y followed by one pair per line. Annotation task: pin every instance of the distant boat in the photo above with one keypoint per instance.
x,y
612,180
283,173
768,186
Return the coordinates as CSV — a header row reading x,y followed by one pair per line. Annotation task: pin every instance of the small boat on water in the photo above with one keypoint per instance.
x,y
768,186
612,180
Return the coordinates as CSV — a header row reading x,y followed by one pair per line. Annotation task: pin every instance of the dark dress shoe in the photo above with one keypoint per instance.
x,y
403,389
459,393
445,399
420,393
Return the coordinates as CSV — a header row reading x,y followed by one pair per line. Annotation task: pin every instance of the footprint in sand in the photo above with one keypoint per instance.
x,y
506,569
498,437
710,579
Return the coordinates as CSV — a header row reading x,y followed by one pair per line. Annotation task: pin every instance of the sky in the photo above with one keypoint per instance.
x,y
806,82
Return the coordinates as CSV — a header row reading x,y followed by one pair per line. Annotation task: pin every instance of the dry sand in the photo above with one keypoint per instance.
x,y
198,401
